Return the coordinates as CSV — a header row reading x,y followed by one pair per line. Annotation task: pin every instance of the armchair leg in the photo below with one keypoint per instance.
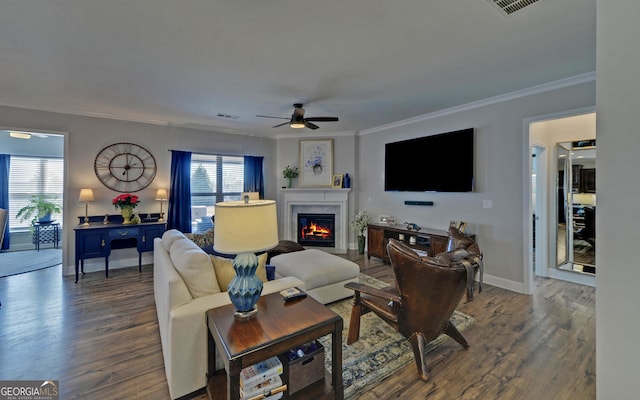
x,y
354,323
455,334
418,343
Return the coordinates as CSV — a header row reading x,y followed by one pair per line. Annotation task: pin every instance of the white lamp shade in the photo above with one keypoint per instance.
x,y
86,195
245,227
161,194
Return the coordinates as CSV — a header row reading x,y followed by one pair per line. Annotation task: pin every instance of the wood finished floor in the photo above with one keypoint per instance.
x,y
100,339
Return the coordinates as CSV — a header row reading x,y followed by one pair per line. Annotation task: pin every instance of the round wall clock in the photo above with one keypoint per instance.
x,y
125,167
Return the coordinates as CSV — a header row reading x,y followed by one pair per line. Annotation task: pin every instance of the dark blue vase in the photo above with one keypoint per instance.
x,y
346,181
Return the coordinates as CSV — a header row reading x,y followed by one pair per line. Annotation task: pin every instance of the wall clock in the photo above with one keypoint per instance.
x,y
125,167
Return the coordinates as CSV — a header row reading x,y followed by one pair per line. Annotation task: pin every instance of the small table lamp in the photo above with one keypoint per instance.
x,y
243,228
86,195
161,195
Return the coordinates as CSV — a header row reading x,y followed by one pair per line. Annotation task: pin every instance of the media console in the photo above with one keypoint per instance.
x,y
433,241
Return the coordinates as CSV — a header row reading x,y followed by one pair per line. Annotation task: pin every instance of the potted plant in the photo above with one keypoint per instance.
x,y
359,224
39,209
126,202
289,173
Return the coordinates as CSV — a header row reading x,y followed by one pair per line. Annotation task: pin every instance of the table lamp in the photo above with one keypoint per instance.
x,y
161,195
86,195
244,228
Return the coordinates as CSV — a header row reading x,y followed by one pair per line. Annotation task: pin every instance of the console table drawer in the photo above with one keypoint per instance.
x,y
121,233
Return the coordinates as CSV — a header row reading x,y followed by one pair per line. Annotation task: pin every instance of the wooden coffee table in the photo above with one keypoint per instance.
x,y
277,328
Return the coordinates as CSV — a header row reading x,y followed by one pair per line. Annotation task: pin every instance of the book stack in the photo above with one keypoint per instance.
x,y
262,381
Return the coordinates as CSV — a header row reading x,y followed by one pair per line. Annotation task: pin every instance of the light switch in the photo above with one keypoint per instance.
x,y
487,203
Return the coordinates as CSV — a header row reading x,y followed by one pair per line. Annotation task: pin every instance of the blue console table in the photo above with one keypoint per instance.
x,y
97,240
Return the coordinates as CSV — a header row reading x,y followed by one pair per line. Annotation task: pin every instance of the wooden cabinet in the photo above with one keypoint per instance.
x,y
433,241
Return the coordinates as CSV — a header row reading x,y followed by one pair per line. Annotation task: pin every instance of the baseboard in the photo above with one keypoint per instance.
x,y
502,283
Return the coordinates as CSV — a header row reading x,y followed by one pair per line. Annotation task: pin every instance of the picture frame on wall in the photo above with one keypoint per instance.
x,y
316,163
337,181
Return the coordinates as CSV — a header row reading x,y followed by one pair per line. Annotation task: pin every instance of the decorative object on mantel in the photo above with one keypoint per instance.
x,y
359,224
244,228
346,181
126,203
86,195
411,226
316,163
337,181
289,173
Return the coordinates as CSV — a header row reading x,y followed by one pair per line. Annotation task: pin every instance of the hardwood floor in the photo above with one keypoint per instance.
x,y
100,339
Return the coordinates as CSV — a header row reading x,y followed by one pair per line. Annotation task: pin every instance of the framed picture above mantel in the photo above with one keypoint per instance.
x,y
316,163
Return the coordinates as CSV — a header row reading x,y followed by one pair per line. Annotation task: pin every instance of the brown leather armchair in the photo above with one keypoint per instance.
x,y
427,291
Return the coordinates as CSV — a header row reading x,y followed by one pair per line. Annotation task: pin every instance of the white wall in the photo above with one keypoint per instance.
x,y
618,297
499,171
85,136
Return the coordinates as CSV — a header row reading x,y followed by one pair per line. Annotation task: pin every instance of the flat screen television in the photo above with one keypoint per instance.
x,y
436,163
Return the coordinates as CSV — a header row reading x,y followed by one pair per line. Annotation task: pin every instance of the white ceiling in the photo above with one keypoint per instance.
x,y
369,62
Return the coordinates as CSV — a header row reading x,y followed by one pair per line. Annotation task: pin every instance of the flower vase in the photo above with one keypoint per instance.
x,y
289,182
360,244
127,213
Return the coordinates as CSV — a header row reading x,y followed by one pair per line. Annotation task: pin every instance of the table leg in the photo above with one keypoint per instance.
x,y
106,267
233,381
336,360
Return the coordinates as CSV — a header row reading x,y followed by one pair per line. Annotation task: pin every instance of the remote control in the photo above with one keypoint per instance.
x,y
295,296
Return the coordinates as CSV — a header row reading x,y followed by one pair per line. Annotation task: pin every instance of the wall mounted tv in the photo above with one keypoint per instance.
x,y
436,163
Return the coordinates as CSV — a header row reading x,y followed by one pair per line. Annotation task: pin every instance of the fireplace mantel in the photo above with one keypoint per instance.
x,y
296,199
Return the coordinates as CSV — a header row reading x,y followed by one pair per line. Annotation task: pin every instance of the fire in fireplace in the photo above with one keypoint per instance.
x,y
317,230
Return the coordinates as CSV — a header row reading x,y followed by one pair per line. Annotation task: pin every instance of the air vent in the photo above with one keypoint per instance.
x,y
228,116
508,7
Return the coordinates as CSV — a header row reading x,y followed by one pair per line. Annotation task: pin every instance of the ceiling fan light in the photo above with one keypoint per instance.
x,y
296,125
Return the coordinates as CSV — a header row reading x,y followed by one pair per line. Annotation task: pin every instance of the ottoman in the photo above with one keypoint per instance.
x,y
323,274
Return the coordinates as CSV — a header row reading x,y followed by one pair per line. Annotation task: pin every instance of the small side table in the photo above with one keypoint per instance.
x,y
46,233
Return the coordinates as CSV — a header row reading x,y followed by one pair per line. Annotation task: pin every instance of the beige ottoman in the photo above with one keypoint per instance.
x,y
323,274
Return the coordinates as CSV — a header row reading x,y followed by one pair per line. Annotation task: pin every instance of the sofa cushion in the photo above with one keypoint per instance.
x,y
225,273
316,268
195,268
171,236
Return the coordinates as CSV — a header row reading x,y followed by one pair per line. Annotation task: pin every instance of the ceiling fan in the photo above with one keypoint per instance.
x,y
298,120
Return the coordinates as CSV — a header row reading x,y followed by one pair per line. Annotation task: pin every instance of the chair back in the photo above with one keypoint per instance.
x,y
3,224
430,291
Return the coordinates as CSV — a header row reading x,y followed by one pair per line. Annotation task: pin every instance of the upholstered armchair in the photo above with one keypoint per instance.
x,y
427,291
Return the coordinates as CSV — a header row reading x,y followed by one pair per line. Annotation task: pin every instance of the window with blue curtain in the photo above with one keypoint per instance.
x,y
253,175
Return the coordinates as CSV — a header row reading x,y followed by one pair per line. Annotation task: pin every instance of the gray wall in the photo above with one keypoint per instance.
x,y
85,136
617,311
500,151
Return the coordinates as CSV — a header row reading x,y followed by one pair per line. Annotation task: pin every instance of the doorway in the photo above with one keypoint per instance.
x,y
34,186
541,198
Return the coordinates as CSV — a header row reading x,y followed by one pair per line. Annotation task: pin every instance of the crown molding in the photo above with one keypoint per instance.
x,y
545,87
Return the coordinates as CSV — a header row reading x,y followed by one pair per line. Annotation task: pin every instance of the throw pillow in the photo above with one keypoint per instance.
x,y
225,272
459,240
194,266
202,239
171,236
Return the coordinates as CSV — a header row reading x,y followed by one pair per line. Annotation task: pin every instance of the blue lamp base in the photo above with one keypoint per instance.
x,y
245,288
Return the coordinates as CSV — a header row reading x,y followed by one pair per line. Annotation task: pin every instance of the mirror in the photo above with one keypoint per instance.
x,y
576,200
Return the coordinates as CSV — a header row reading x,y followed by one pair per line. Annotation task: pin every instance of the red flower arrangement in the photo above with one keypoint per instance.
x,y
125,200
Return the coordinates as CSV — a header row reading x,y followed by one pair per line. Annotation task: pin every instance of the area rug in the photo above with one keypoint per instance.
x,y
380,351
18,262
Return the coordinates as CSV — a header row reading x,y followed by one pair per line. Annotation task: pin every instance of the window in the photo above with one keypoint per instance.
x,y
30,176
214,178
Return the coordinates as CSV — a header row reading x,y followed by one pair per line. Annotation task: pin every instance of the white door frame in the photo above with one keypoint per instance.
x,y
528,272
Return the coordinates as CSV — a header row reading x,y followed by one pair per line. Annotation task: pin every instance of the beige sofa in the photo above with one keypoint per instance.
x,y
185,287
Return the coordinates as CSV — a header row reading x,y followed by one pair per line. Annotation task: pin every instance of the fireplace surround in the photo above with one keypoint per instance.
x,y
320,201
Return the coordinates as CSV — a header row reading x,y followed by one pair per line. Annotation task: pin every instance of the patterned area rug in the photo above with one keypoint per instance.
x,y
380,351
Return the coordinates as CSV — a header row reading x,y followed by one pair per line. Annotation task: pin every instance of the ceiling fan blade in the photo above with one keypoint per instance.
x,y
282,124
321,119
310,125
269,116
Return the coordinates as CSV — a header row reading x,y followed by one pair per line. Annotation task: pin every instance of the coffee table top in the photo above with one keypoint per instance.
x,y
276,321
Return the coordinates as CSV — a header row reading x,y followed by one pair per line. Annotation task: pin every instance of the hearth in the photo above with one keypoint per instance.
x,y
316,229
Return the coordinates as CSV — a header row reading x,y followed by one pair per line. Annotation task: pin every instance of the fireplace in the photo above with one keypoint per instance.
x,y
316,230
